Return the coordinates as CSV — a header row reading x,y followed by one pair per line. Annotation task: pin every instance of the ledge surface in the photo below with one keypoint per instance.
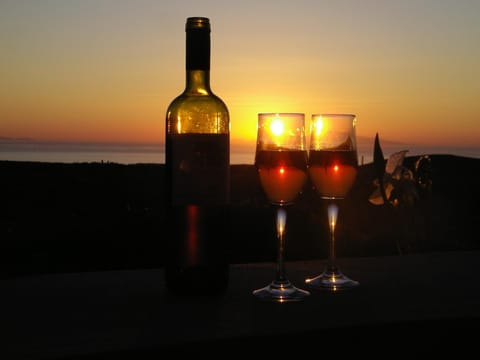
x,y
129,314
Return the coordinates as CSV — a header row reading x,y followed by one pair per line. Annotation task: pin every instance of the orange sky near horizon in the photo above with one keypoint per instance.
x,y
105,71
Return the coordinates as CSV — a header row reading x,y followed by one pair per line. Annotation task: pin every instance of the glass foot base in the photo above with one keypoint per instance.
x,y
280,291
331,280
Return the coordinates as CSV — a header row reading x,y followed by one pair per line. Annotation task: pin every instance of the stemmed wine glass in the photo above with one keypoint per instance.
x,y
281,163
332,166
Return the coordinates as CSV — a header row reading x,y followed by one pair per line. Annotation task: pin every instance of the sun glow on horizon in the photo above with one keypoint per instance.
x,y
106,71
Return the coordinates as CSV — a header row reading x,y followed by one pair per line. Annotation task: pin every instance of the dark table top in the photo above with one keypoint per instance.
x,y
404,300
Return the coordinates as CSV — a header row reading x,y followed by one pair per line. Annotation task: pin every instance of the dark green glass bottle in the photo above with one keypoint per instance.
x,y
197,159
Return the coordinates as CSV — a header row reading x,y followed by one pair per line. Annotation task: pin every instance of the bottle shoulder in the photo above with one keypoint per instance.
x,y
198,114
198,97
210,103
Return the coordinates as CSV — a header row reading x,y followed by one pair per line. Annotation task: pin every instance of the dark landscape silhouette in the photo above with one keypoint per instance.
x,y
58,217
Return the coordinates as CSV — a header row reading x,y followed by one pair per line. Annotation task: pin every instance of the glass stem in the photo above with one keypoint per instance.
x,y
281,220
332,211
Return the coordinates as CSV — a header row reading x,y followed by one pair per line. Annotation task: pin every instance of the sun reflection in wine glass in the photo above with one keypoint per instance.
x,y
281,163
332,166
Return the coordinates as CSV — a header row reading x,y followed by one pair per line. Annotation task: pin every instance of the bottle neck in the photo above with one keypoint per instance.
x,y
198,82
198,50
197,53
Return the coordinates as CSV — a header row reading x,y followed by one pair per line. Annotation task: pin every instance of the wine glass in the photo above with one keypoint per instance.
x,y
332,167
281,163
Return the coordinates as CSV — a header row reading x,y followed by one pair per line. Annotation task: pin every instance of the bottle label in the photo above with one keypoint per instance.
x,y
200,169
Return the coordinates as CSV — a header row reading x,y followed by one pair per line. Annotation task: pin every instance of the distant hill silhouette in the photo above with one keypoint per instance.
x,y
57,217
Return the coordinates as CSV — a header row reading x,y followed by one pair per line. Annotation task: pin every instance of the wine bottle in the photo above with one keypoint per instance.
x,y
197,163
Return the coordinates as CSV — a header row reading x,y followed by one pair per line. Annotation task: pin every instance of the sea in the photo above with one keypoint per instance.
x,y
131,153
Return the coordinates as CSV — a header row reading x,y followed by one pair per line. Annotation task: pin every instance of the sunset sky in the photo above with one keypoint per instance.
x,y
106,70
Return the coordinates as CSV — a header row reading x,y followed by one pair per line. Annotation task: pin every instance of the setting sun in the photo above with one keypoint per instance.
x,y
276,127
318,126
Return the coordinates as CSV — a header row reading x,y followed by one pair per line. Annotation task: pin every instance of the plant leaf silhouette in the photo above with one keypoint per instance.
x,y
379,165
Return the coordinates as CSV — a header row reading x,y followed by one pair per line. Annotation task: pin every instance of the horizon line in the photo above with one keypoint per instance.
x,y
236,143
